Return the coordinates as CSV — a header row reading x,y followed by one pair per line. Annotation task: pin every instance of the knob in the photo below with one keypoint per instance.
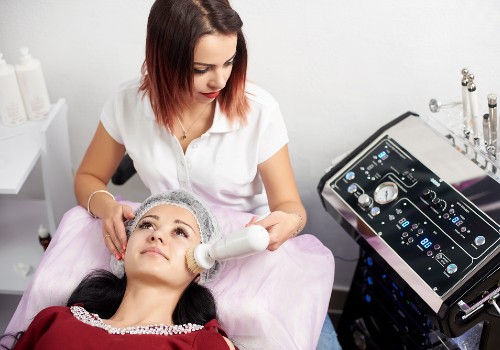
x,y
365,201
438,203
428,194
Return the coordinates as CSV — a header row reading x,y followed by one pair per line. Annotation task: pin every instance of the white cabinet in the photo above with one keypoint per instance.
x,y
21,148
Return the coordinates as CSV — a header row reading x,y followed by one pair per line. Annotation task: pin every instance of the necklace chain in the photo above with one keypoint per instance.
x,y
184,130
160,329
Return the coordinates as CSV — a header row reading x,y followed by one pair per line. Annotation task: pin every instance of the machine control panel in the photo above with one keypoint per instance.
x,y
437,228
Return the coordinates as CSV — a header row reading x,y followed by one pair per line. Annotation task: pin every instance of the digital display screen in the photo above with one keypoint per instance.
x,y
404,224
425,243
383,155
455,219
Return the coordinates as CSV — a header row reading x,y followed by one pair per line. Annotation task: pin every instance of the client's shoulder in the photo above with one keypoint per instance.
x,y
51,313
56,310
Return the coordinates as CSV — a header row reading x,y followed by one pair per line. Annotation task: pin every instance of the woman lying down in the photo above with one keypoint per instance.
x,y
156,304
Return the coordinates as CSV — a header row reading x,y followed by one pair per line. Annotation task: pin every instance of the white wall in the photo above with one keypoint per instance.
x,y
340,69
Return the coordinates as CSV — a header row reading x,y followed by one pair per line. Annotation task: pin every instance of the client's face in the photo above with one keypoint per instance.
x,y
156,250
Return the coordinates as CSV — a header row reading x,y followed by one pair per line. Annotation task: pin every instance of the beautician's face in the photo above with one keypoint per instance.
x,y
156,250
213,63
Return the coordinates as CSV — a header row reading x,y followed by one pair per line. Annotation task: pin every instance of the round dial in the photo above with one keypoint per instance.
x,y
386,192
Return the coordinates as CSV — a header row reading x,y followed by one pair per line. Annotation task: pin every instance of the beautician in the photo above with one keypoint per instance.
x,y
192,121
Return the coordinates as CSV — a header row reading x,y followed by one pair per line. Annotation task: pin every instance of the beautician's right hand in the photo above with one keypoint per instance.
x,y
113,228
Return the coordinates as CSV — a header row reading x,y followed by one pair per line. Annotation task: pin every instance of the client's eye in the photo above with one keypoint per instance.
x,y
200,71
146,225
179,231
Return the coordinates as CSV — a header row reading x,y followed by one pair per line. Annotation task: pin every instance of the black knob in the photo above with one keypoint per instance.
x,y
428,194
438,203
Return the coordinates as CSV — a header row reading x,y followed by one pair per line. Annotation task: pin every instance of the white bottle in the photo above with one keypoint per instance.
x,y
12,110
32,85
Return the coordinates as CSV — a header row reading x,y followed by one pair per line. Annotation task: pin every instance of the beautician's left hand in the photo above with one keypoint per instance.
x,y
280,225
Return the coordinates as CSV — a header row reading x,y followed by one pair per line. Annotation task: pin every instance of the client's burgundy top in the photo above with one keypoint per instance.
x,y
57,327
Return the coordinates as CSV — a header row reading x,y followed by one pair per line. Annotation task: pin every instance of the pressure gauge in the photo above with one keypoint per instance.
x,y
386,192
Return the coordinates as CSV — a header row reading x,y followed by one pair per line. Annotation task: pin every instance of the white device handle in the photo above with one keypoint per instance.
x,y
244,242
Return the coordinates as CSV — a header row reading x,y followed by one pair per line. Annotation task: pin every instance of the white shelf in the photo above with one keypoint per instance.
x,y
32,126
19,158
20,219
20,149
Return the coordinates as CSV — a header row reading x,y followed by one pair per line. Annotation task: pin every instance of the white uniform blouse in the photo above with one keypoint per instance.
x,y
220,166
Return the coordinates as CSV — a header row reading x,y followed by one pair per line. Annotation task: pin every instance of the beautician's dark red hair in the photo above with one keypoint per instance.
x,y
173,31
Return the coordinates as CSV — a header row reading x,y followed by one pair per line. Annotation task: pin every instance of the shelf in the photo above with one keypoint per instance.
x,y
20,220
16,161
20,148
32,125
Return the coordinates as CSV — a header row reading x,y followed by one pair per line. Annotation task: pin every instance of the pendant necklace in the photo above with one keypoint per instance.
x,y
185,131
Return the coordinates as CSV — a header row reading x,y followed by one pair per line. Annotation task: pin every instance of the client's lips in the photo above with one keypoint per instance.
x,y
154,250
211,94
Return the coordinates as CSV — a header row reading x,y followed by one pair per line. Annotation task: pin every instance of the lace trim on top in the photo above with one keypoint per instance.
x,y
160,329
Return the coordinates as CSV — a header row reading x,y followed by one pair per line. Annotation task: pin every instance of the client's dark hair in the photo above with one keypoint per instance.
x,y
101,292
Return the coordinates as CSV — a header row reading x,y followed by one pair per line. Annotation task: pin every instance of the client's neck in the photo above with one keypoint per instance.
x,y
146,305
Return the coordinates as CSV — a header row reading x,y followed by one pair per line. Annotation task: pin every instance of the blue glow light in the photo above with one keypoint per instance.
x,y
455,219
382,154
404,224
425,243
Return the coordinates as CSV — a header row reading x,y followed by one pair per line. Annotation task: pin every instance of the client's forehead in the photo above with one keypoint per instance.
x,y
169,213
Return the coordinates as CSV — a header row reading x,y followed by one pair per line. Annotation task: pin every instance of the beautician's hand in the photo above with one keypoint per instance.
x,y
113,228
280,225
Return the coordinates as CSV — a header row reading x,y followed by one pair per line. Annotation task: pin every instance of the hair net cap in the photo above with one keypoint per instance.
x,y
207,223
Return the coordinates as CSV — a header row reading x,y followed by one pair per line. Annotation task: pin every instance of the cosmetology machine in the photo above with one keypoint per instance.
x,y
424,207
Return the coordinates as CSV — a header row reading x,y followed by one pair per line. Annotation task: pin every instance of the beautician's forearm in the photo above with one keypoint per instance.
x,y
98,165
85,185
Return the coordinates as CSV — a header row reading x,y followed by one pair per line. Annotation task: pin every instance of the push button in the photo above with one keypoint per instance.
x,y
352,188
375,211
350,176
451,269
479,240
